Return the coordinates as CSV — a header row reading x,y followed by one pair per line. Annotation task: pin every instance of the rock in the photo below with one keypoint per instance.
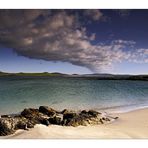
x,y
45,122
33,115
30,112
106,119
101,121
116,118
69,115
84,112
83,118
23,123
45,115
76,121
5,116
65,111
30,124
47,111
7,126
20,122
93,113
55,120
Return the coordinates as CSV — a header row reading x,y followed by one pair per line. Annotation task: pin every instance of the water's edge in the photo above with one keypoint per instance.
x,y
112,110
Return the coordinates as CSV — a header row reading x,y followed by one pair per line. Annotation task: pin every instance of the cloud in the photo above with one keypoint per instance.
x,y
94,14
58,35
140,56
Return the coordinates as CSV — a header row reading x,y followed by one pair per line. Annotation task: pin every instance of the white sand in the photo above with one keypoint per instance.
x,y
129,125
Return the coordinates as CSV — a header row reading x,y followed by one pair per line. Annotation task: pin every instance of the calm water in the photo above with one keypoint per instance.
x,y
19,93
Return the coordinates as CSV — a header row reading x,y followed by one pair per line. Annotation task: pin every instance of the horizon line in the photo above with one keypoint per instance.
x,y
75,73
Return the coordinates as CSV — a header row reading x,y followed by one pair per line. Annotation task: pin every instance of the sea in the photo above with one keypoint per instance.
x,y
17,93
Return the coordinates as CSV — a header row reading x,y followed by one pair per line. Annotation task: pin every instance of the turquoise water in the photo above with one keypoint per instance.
x,y
74,93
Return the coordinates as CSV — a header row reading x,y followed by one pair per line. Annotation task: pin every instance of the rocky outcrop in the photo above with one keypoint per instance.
x,y
84,118
46,115
47,111
7,126
23,123
55,120
34,115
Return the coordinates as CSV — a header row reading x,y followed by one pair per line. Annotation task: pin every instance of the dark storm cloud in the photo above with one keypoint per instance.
x,y
58,35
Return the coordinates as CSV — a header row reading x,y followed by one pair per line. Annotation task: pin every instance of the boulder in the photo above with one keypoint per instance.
x,y
84,112
55,120
47,111
5,116
69,115
94,113
116,118
7,126
65,111
83,118
23,123
33,115
76,121
91,113
105,119
45,122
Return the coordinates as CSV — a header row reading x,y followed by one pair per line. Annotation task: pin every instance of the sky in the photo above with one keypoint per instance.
x,y
74,41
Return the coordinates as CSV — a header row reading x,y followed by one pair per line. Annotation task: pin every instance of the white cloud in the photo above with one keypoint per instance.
x,y
58,36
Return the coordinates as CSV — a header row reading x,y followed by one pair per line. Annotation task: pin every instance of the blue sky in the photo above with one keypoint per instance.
x,y
15,63
74,41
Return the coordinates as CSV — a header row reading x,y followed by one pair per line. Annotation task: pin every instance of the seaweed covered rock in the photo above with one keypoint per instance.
x,y
47,111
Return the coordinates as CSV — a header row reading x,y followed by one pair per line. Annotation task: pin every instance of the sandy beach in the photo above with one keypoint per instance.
x,y
132,124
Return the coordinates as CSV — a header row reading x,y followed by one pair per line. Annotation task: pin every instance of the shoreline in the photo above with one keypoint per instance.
x,y
133,124
123,109
110,110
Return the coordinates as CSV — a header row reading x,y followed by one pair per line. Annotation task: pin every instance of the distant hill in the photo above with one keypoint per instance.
x,y
115,77
32,74
83,76
3,73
